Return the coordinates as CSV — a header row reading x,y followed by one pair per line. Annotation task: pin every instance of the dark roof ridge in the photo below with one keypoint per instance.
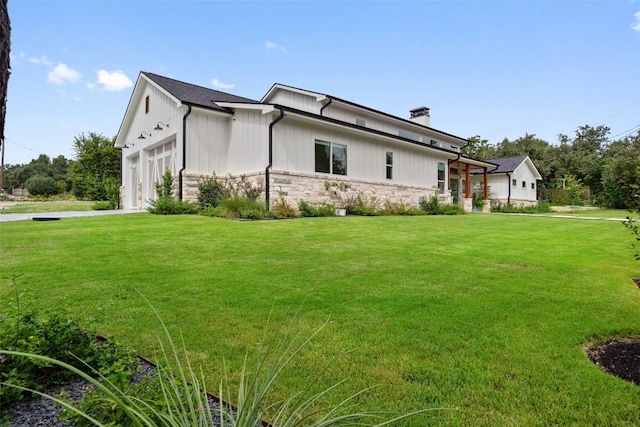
x,y
190,93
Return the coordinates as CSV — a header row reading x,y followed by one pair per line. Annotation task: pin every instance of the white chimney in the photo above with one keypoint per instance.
x,y
421,116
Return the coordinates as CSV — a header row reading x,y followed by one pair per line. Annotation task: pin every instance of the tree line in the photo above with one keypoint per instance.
x,y
609,169
93,175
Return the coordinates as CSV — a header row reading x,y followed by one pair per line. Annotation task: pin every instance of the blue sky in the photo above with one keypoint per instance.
x,y
491,68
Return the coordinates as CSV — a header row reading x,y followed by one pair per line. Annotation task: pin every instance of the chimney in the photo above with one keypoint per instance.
x,y
420,116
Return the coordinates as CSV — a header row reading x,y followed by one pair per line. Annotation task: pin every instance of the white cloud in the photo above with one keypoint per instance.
x,y
40,61
272,45
217,83
62,74
636,26
113,81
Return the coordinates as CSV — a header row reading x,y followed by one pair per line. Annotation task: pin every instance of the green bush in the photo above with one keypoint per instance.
x,y
363,206
307,210
39,185
432,206
282,209
165,204
171,206
54,335
541,207
211,192
103,205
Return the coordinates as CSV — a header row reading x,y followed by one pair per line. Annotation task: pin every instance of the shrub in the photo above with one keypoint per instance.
x,y
282,208
171,206
432,206
211,192
39,185
541,207
364,206
165,204
54,335
102,205
324,209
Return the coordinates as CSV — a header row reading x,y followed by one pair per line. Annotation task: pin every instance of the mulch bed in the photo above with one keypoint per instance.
x,y
619,357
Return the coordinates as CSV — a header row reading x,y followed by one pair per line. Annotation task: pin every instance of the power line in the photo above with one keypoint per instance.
x,y
23,146
618,112
627,132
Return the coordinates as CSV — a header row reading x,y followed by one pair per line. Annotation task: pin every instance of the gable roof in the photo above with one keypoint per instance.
x,y
508,165
196,95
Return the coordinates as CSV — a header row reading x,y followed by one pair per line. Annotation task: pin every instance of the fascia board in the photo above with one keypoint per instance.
x,y
264,108
276,87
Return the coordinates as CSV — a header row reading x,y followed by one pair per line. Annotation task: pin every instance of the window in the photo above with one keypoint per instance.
x,y
442,176
514,182
533,185
330,158
146,105
524,185
360,122
389,165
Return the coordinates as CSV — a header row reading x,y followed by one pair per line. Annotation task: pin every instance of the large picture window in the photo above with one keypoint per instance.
x,y
330,158
442,176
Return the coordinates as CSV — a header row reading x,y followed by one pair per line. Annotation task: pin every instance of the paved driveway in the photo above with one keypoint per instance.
x,y
72,214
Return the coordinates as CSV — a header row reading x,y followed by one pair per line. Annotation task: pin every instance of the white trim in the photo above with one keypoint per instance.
x,y
318,96
264,108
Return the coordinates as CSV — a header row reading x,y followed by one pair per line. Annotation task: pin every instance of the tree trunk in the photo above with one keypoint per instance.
x,y
5,49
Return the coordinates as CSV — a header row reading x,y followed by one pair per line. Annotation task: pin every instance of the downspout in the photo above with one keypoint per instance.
x,y
184,151
268,168
326,105
509,185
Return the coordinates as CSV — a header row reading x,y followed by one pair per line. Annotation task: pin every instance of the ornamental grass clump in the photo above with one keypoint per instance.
x,y
178,396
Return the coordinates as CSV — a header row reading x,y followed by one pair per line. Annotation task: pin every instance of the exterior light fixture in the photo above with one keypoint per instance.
x,y
142,135
159,126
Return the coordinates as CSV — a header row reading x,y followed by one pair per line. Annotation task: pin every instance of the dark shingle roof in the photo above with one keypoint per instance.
x,y
196,95
505,164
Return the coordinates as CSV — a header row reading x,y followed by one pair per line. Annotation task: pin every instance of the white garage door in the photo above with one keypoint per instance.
x,y
161,158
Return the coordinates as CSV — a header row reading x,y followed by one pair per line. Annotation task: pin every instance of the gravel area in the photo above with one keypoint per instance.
x,y
39,411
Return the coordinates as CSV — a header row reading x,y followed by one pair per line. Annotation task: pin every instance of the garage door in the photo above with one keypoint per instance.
x,y
161,158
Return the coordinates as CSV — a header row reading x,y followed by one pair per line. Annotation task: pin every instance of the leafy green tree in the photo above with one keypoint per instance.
x,y
96,168
621,174
574,189
40,185
585,159
478,148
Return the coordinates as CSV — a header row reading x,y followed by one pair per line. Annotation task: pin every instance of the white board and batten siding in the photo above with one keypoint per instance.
x,y
208,135
524,177
294,151
145,160
296,100
249,142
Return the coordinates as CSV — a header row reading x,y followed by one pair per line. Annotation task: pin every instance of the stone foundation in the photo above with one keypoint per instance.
x,y
339,191
518,203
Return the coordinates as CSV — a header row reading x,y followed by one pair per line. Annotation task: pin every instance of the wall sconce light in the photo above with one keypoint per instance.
x,y
142,135
159,126
126,145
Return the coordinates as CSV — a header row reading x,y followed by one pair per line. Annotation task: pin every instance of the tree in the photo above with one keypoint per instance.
x,y
478,148
39,185
96,170
621,174
574,189
5,66
585,159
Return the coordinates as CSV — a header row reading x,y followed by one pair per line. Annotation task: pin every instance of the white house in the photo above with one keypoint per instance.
x,y
513,182
293,142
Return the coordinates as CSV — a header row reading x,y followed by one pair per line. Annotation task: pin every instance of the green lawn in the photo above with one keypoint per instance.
x,y
600,213
41,207
485,313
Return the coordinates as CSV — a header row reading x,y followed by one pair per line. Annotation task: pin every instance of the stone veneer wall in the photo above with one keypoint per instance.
x,y
312,188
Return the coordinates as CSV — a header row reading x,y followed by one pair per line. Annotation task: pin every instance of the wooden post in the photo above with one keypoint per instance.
x,y
467,183
486,186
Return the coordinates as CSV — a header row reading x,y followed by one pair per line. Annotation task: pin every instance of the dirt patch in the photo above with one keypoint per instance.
x,y
619,357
